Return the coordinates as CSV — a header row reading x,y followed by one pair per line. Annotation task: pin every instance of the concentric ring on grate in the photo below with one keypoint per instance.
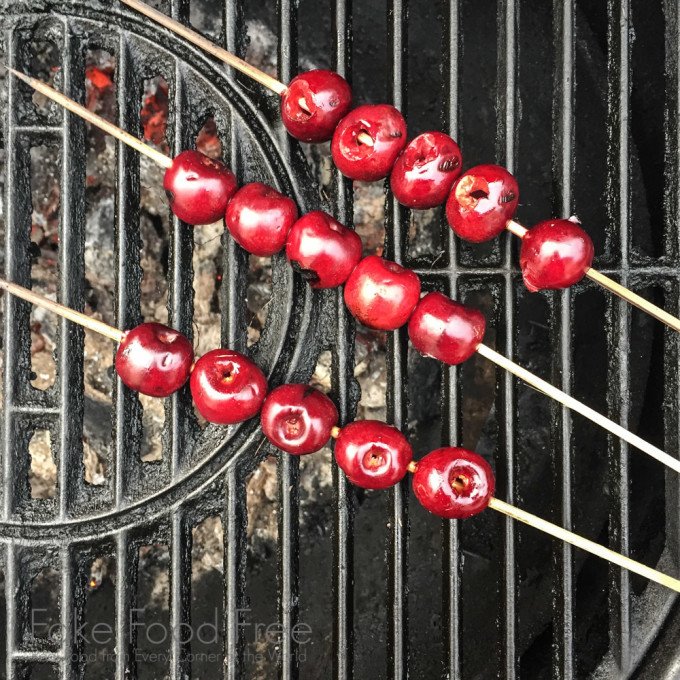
x,y
297,320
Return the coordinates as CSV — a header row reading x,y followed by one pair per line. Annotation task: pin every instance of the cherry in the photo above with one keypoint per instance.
x,y
198,188
154,359
453,483
227,387
424,173
322,250
366,162
555,254
446,330
372,454
326,95
482,201
259,219
298,418
382,294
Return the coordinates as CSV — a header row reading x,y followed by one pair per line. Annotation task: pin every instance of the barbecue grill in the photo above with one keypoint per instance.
x,y
581,101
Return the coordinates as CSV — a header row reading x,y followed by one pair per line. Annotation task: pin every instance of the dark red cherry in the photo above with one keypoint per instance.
x,y
424,173
314,103
154,359
382,294
298,419
446,330
369,162
198,188
259,219
453,483
227,387
372,454
482,201
324,251
555,254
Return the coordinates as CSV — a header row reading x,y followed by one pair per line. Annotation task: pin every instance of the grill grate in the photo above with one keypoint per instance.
x,y
494,572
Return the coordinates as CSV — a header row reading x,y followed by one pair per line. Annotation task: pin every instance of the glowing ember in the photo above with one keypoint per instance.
x,y
154,114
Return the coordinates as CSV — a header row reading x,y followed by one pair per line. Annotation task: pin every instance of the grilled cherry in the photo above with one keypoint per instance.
x,y
453,483
326,97
366,162
198,188
372,454
555,254
154,359
259,218
446,330
424,173
324,251
382,294
298,418
482,201
227,387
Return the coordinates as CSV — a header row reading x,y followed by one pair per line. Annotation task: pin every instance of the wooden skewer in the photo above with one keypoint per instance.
x,y
227,57
158,157
66,312
575,405
584,544
614,287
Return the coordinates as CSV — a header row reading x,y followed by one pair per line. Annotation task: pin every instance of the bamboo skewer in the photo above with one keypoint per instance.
x,y
227,57
575,405
584,544
156,156
614,287
68,313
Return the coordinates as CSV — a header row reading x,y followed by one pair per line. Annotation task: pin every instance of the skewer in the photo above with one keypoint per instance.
x,y
68,313
156,156
584,544
575,405
227,57
614,287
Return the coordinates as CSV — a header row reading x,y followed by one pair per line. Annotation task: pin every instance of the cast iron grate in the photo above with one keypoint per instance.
x,y
203,472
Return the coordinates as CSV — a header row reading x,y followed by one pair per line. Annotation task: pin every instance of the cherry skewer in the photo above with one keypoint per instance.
x,y
613,287
335,432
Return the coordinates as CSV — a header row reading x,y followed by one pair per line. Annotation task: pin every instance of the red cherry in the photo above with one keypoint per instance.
x,y
328,97
446,330
324,251
357,160
259,218
227,387
198,188
372,454
298,419
423,175
555,254
154,359
453,483
382,294
482,201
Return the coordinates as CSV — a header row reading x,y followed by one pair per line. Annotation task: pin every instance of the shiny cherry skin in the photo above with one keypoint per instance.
x,y
555,254
453,483
298,419
198,188
446,330
424,173
328,97
357,160
481,203
227,387
382,294
154,359
372,454
259,219
322,250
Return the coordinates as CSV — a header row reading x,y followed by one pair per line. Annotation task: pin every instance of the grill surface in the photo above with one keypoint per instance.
x,y
587,118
